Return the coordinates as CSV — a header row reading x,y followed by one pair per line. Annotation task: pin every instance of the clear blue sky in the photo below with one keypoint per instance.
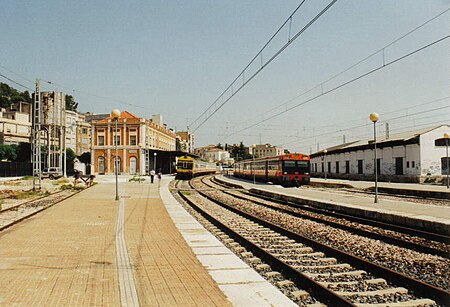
x,y
175,57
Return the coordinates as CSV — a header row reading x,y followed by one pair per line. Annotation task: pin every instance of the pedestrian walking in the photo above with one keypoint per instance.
x,y
159,174
152,175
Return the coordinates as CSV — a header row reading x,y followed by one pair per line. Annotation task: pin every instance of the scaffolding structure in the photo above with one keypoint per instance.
x,y
36,138
48,133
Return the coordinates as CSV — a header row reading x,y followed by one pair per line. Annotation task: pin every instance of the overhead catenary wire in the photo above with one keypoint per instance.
x,y
345,83
382,49
234,92
16,82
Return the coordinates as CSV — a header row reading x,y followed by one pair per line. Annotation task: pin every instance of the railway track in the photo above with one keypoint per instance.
x,y
16,214
420,241
337,278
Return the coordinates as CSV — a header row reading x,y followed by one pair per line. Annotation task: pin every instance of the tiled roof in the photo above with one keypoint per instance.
x,y
402,136
123,115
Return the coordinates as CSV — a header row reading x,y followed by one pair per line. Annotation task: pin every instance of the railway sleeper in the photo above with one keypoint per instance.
x,y
300,295
356,273
338,266
398,290
418,302
312,261
332,285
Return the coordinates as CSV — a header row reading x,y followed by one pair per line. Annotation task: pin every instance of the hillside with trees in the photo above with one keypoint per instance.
x,y
9,95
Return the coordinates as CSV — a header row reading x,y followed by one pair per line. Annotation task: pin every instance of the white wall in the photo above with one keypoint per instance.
x,y
430,154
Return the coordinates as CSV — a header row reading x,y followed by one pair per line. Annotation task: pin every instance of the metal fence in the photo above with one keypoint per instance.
x,y
15,169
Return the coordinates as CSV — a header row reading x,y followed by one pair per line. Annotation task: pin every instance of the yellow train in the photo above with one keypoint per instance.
x,y
188,167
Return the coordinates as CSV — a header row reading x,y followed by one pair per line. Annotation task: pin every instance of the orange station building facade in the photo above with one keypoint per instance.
x,y
137,138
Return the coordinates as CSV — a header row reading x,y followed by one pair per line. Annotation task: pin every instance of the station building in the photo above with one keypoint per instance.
x,y
138,142
404,157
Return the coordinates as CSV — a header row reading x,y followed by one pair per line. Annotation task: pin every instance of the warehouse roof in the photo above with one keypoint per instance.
x,y
402,138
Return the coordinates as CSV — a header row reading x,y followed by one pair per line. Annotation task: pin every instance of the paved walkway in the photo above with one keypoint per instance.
x,y
392,185
67,255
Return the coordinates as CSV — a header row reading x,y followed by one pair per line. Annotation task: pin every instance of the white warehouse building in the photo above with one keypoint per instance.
x,y
404,157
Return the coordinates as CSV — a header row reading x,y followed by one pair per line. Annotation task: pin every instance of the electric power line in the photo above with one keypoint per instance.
x,y
345,83
257,71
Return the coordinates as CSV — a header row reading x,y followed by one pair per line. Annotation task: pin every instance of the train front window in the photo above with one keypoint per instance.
x,y
292,167
303,167
185,165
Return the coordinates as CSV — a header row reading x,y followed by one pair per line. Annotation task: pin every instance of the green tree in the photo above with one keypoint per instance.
x,y
9,95
8,152
85,158
286,151
239,152
70,155
71,104
219,146
24,152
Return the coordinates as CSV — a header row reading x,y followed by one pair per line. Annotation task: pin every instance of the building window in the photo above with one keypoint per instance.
x,y
323,168
445,163
413,164
101,140
360,167
337,167
347,167
117,140
84,130
329,167
378,166
132,140
407,164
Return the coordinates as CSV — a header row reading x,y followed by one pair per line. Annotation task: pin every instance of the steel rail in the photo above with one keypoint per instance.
x,y
437,237
362,232
28,202
416,286
39,210
315,289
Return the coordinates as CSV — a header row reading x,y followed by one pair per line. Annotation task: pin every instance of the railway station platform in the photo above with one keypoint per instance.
x,y
408,189
143,250
403,211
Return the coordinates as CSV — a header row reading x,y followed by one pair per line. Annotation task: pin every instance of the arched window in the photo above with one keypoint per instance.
x,y
133,164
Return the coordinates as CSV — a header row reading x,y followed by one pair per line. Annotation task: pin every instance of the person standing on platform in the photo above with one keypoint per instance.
x,y
159,174
152,175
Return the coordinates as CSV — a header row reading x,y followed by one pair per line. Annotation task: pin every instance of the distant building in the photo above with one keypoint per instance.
x,y
15,124
78,133
138,141
404,157
265,150
213,154
186,141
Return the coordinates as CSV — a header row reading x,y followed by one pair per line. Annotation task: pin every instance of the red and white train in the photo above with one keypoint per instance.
x,y
286,170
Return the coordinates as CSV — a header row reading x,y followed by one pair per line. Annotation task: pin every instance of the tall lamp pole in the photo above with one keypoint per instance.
x,y
446,137
115,114
325,159
154,161
374,117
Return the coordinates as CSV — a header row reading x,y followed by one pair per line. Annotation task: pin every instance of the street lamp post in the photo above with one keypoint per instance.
x,y
374,117
115,114
446,137
154,161
325,161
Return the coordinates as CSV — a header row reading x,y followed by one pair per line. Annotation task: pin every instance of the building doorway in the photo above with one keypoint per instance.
x,y
132,165
399,166
101,165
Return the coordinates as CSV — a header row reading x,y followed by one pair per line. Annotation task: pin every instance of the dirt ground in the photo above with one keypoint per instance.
x,y
13,192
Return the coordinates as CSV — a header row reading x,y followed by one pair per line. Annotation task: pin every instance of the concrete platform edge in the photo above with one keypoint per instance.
x,y
239,282
427,223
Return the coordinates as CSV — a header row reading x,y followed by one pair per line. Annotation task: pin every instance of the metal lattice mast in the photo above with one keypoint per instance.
x,y
36,137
